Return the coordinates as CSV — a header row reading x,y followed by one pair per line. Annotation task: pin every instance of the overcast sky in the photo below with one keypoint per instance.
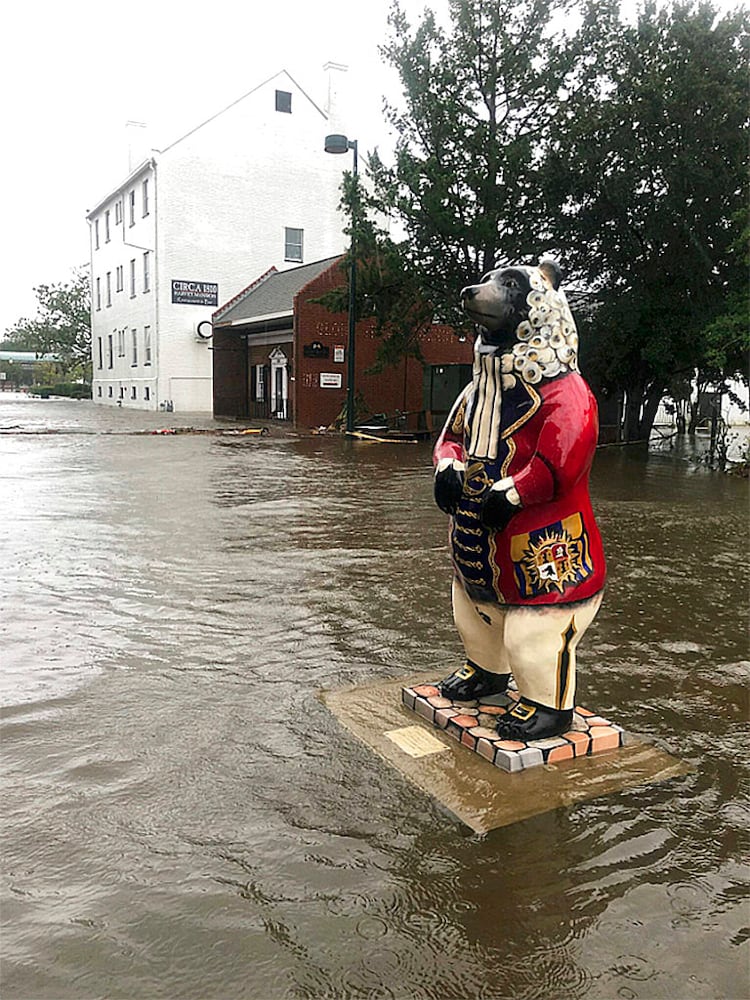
x,y
73,73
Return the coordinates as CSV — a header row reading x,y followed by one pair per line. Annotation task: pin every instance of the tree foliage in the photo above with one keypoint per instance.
x,y
479,100
388,290
647,177
539,127
62,325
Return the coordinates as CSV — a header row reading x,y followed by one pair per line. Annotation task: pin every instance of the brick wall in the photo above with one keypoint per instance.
x,y
398,387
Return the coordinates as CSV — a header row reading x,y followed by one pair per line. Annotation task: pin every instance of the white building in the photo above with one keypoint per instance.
x,y
250,188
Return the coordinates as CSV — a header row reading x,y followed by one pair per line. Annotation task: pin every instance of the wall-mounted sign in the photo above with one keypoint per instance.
x,y
195,293
338,354
315,350
330,380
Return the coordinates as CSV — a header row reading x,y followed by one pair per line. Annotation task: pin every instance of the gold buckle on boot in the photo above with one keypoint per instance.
x,y
522,712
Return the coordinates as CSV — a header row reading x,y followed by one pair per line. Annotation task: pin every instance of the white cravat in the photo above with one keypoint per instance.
x,y
485,414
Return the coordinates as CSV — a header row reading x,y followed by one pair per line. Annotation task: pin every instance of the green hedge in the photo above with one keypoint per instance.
x,y
75,390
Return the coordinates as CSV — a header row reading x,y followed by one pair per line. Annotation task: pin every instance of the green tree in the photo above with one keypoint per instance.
x,y
388,289
61,327
478,102
646,175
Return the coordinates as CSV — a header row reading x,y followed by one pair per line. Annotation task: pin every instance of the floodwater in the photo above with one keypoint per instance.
x,y
182,816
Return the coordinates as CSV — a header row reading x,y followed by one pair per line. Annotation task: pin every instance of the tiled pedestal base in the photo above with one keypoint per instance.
x,y
473,725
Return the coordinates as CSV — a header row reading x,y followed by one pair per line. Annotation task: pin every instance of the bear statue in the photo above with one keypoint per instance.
x,y
512,470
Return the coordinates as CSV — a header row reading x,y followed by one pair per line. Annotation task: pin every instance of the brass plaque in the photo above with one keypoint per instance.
x,y
415,741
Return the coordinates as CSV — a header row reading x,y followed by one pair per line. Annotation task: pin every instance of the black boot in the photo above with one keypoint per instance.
x,y
528,720
471,682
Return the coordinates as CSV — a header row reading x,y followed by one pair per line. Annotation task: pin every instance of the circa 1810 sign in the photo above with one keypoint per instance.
x,y
195,293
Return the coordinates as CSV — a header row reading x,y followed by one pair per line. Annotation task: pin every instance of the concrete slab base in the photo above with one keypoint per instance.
x,y
480,795
472,723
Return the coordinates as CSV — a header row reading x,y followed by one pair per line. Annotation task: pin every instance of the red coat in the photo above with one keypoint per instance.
x,y
544,436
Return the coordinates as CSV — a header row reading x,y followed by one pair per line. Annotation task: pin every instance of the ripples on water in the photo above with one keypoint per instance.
x,y
183,818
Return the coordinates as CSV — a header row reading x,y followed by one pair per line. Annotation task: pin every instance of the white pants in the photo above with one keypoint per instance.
x,y
535,644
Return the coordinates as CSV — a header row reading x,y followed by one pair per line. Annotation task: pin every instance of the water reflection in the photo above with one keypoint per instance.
x,y
184,818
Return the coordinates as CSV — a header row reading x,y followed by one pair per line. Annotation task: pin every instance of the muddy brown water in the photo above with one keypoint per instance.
x,y
182,817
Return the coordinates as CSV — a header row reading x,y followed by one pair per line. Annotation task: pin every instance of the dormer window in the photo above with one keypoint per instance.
x,y
284,101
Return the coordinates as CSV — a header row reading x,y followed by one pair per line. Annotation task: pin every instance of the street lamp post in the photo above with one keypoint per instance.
x,y
341,144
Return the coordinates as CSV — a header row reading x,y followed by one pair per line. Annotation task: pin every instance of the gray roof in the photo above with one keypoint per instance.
x,y
271,295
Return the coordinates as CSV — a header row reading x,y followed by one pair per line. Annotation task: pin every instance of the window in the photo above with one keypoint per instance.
x,y
118,212
134,334
99,388
110,352
98,293
118,278
96,234
146,393
106,226
293,244
144,192
100,353
122,392
146,272
131,202
259,384
133,392
109,288
132,278
120,343
109,392
284,101
147,346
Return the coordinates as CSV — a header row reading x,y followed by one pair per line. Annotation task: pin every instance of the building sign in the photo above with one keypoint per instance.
x,y
338,354
195,293
330,380
315,350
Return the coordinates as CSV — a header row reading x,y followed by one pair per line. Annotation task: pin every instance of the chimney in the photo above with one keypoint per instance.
x,y
335,105
138,143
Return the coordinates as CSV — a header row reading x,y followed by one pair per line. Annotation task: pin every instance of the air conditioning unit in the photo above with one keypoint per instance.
x,y
204,330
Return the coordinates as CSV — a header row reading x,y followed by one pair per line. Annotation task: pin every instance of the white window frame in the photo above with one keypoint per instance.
x,y
146,272
144,196
131,206
132,278
109,288
118,212
96,234
260,384
119,278
147,345
279,363
134,345
291,244
98,294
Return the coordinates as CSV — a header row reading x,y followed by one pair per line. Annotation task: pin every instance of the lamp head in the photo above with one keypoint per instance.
x,y
337,144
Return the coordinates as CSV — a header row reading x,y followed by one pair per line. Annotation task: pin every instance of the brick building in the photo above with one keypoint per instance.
x,y
278,353
252,186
